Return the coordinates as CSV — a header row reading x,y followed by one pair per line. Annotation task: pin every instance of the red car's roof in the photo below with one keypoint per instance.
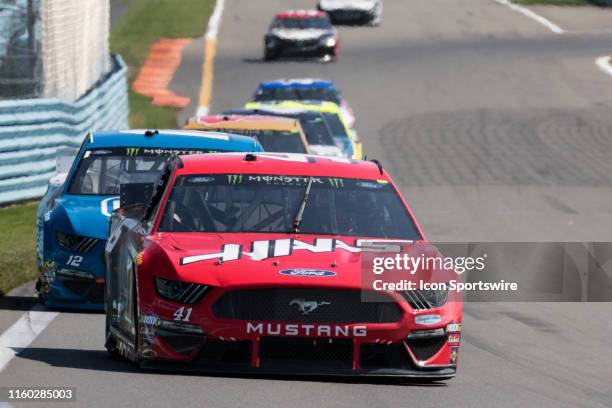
x,y
301,14
281,164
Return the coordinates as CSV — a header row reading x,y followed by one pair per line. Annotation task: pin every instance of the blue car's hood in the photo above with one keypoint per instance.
x,y
84,215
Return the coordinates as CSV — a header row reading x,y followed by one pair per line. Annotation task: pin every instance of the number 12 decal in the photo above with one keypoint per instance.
x,y
182,314
74,260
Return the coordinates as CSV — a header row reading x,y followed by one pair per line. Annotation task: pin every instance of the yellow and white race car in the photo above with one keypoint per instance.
x,y
345,137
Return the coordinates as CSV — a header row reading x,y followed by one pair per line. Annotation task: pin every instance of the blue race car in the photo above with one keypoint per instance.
x,y
305,89
73,216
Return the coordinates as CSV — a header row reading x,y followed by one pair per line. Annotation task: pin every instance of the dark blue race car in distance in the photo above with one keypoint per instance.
x,y
304,89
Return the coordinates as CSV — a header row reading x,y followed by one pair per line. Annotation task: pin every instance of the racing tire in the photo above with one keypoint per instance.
x,y
111,343
335,56
269,55
135,318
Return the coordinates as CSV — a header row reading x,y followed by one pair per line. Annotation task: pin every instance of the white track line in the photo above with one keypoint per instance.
x,y
22,333
532,15
604,64
215,20
210,47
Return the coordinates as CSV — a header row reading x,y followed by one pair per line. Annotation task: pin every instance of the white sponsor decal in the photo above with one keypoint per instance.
x,y
261,250
310,330
454,339
307,272
183,314
453,328
109,205
150,320
74,260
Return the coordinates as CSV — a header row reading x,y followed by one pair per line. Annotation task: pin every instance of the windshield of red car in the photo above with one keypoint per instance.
x,y
270,203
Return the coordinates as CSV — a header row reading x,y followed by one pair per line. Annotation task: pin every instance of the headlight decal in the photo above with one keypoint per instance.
x,y
75,243
180,292
425,299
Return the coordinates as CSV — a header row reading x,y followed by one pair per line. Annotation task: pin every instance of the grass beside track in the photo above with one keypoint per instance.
x,y
145,22
17,245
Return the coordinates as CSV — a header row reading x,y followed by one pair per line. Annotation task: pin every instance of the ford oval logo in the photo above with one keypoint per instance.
x,y
307,272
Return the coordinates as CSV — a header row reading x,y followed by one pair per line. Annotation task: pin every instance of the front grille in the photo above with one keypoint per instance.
x,y
384,356
182,343
79,286
225,352
424,349
82,286
300,43
303,352
97,293
332,306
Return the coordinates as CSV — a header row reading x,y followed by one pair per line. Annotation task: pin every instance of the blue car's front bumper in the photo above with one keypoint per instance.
x,y
62,294
66,284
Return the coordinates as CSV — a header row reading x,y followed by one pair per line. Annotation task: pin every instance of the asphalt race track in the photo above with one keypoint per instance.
x,y
495,129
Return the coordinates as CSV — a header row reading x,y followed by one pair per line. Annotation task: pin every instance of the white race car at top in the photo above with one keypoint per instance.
x,y
353,11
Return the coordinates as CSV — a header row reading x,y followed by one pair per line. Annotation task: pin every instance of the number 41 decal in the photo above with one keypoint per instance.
x,y
182,314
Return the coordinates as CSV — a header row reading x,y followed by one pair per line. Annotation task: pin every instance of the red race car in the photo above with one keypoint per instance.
x,y
251,263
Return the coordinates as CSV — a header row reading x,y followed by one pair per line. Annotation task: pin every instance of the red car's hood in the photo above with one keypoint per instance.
x,y
242,259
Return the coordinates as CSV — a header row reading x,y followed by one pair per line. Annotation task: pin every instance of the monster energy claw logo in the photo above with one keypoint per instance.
x,y
336,182
132,151
234,178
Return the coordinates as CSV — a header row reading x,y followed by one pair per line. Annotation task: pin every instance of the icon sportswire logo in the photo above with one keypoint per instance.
x,y
234,178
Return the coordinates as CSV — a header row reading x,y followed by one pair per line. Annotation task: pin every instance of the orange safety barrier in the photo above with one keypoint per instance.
x,y
157,72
